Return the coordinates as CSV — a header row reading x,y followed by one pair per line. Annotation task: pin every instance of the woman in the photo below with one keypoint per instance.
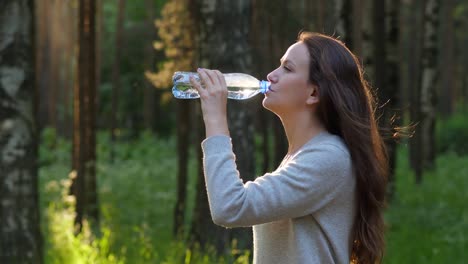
x,y
324,203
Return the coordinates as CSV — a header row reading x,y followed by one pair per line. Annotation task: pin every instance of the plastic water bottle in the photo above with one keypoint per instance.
x,y
240,85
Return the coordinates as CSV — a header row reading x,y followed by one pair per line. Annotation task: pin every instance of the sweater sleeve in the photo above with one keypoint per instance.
x,y
304,185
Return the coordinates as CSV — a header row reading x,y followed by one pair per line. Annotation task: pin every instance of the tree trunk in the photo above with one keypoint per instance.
x,y
448,65
356,32
149,91
84,137
183,141
320,15
414,83
43,59
224,27
367,40
99,47
342,13
116,78
54,67
463,89
20,237
339,29
390,92
428,83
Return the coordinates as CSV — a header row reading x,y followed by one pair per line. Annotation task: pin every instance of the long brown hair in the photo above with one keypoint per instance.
x,y
346,109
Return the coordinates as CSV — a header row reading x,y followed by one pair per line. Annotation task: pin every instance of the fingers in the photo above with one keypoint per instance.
x,y
221,79
196,84
213,80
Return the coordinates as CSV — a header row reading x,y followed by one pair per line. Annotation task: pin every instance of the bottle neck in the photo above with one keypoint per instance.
x,y
264,86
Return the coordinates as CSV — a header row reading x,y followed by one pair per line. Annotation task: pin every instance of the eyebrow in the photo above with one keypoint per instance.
x,y
287,61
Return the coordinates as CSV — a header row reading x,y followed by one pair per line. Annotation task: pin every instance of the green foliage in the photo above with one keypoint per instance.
x,y
428,223
136,195
53,149
136,57
177,31
452,133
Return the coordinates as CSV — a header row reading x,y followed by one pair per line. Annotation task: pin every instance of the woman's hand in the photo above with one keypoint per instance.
x,y
213,97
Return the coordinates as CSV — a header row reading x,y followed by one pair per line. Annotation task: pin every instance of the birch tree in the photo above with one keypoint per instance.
x,y
20,238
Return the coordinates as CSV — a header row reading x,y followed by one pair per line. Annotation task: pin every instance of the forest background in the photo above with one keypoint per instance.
x,y
100,164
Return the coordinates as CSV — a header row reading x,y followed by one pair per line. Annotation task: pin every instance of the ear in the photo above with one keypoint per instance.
x,y
313,97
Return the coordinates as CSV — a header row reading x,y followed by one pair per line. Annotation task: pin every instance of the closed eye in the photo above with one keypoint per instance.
x,y
286,68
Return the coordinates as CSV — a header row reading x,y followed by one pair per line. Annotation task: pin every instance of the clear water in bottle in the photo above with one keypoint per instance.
x,y
240,85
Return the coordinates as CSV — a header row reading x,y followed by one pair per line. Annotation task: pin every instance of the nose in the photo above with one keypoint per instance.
x,y
272,77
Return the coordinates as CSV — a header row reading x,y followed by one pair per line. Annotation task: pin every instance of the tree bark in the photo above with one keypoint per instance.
x,y
149,91
99,47
356,32
183,142
414,82
84,135
20,237
342,13
43,59
53,60
428,83
390,91
367,40
224,27
320,15
448,65
116,78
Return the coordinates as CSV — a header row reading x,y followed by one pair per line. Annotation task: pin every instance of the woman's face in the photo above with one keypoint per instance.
x,y
290,89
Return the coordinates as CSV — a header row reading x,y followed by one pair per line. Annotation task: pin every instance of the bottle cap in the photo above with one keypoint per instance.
x,y
264,86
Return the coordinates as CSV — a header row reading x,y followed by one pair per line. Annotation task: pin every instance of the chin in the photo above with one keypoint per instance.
x,y
268,104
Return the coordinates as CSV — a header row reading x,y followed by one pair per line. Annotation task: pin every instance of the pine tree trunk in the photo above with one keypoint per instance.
x,y
54,76
320,14
149,91
224,45
367,40
43,59
414,83
448,72
356,32
84,137
340,26
99,47
342,13
464,65
428,83
391,94
463,90
116,77
183,142
20,237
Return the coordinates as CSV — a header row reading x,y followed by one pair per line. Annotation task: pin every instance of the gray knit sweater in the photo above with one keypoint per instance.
x,y
302,212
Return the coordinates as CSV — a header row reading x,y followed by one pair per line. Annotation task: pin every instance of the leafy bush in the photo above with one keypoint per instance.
x,y
136,195
428,223
452,133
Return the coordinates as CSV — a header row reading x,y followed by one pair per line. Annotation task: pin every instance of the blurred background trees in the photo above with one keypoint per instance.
x,y
105,66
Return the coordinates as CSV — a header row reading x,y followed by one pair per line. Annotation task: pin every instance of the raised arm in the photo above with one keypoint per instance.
x,y
304,185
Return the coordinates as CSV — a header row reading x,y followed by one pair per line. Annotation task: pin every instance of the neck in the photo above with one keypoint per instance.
x,y
300,128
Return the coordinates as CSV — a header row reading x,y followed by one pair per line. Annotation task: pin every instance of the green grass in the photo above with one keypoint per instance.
x,y
427,223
